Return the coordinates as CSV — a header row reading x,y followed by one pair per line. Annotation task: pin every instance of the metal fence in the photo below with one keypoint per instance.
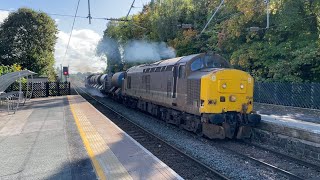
x,y
306,95
43,89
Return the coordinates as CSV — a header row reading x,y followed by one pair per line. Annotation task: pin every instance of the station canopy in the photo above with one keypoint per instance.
x,y
7,79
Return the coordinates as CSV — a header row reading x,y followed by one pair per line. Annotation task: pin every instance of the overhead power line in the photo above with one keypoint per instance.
x,y
130,9
215,12
69,15
74,19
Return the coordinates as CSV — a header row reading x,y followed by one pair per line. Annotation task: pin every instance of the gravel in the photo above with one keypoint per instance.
x,y
186,167
288,164
227,163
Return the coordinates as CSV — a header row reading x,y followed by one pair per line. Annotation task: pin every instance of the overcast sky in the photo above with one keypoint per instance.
x,y
81,55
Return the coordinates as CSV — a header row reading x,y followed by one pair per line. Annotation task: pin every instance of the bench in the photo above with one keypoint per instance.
x,y
13,98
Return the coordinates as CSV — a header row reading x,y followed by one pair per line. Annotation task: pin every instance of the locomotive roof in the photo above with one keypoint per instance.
x,y
161,63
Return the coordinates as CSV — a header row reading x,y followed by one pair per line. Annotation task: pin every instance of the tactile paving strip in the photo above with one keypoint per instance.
x,y
106,164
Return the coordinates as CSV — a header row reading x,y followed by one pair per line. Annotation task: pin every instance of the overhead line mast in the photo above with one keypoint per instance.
x,y
89,15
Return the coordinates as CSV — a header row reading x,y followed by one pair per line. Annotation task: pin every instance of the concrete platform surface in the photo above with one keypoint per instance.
x,y
296,130
288,112
115,154
294,122
67,138
41,141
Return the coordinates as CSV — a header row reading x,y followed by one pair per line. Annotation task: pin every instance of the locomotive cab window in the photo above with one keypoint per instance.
x,y
182,71
197,64
209,62
169,68
215,62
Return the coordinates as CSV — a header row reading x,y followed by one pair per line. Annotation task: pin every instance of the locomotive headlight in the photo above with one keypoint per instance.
x,y
232,98
224,85
241,86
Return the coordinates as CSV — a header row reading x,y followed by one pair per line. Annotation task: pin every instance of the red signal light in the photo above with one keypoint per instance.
x,y
65,71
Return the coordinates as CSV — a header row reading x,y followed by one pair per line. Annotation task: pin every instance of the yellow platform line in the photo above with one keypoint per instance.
x,y
95,145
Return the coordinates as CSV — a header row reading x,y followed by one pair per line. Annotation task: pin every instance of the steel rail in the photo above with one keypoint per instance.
x,y
153,135
291,158
278,169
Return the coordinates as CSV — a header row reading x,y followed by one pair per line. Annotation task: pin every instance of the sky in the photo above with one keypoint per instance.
x,y
85,37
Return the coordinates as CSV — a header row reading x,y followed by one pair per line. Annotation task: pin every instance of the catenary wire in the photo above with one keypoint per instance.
x,y
74,20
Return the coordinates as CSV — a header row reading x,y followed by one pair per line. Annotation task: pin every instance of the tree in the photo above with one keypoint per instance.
x,y
28,38
288,51
8,69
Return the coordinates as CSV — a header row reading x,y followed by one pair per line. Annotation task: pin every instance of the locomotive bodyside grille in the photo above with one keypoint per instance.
x,y
193,91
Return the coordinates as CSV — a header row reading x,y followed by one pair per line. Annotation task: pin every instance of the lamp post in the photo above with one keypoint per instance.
x,y
267,2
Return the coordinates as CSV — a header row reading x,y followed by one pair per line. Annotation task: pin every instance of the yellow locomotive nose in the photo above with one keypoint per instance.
x,y
232,85
231,91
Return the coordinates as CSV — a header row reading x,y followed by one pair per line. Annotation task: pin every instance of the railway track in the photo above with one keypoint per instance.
x,y
299,161
288,174
145,141
185,165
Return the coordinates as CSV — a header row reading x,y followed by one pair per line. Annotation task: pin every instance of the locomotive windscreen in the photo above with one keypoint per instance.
x,y
209,61
215,61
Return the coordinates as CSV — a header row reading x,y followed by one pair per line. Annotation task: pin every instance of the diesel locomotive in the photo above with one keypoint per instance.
x,y
199,93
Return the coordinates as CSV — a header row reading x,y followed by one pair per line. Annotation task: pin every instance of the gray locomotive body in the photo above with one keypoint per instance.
x,y
189,92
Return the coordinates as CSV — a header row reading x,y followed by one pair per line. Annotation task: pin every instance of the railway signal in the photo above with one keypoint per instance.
x,y
65,71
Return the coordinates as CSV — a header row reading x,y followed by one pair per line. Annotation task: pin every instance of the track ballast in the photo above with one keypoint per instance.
x,y
185,165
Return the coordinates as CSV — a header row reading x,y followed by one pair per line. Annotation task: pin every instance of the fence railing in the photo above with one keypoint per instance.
x,y
305,95
43,89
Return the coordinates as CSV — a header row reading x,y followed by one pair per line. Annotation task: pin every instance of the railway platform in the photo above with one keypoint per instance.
x,y
67,138
296,130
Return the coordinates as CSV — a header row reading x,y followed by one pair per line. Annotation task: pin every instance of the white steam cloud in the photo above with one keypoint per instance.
x,y
3,15
94,92
142,51
81,53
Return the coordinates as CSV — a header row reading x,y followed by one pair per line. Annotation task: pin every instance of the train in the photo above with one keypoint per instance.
x,y
199,93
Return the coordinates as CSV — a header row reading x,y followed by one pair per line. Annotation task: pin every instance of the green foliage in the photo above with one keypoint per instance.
x,y
7,69
28,38
288,51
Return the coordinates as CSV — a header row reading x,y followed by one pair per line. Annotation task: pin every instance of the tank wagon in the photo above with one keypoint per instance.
x,y
98,81
199,93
